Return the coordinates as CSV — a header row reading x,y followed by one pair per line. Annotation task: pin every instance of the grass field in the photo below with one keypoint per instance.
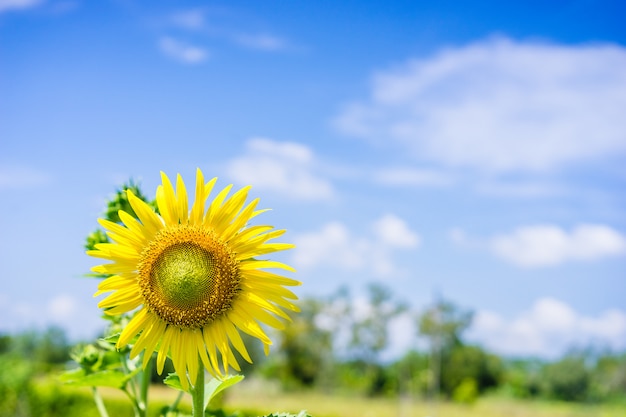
x,y
250,397
260,398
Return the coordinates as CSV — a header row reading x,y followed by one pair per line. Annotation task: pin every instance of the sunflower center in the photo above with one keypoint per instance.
x,y
183,273
188,276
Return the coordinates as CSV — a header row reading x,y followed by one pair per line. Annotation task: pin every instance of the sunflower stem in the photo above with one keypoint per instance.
x,y
146,376
174,405
136,407
99,403
197,394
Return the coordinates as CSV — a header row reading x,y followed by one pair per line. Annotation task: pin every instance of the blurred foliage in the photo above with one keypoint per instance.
x,y
304,349
370,329
118,202
608,378
443,324
44,350
307,358
463,363
466,392
311,355
567,379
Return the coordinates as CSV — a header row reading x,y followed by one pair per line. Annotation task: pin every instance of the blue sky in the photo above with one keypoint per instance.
x,y
475,150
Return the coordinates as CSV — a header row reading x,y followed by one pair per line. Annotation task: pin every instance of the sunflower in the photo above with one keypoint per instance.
x,y
192,277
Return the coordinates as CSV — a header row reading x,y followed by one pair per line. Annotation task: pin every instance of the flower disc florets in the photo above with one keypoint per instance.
x,y
188,277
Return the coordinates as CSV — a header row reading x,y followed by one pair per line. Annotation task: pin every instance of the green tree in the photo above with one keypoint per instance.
x,y
53,346
567,379
305,348
522,377
443,324
411,373
370,331
608,377
465,363
370,336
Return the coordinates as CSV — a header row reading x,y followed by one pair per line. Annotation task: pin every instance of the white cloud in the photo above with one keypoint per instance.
x,y
261,41
394,232
545,245
19,176
6,5
335,246
412,177
61,307
500,106
520,189
182,51
549,328
332,245
285,167
193,19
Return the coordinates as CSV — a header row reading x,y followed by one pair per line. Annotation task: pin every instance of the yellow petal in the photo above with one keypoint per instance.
x,y
202,349
229,210
124,307
181,198
241,220
149,219
252,298
143,338
166,200
113,283
132,328
119,296
164,348
256,286
191,353
265,249
197,210
270,278
215,205
179,359
210,346
244,235
122,231
246,325
132,224
253,264
266,315
156,333
235,339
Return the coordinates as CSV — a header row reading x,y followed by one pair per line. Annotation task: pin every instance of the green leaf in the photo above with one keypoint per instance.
x,y
302,413
215,386
107,378
211,389
173,381
110,340
72,374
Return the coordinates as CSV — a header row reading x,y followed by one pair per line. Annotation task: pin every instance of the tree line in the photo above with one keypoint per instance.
x,y
332,345
335,347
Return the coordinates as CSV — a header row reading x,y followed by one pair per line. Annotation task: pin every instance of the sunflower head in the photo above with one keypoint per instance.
x,y
192,277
